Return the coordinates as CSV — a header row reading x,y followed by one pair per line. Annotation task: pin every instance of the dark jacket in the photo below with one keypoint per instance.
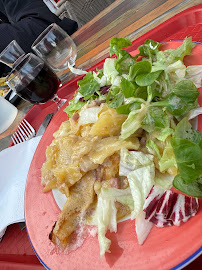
x,y
24,20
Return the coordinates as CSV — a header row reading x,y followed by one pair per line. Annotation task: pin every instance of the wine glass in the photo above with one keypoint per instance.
x,y
33,80
56,48
11,54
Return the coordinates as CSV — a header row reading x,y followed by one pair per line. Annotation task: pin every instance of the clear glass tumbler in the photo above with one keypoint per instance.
x,y
11,54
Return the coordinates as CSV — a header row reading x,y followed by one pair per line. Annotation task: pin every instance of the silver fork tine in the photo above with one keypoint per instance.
x,y
31,128
23,133
14,139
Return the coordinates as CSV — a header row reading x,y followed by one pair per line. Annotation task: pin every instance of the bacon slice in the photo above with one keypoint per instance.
x,y
166,208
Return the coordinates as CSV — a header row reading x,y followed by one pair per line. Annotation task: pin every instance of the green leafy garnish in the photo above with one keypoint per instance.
x,y
73,106
187,146
88,86
156,90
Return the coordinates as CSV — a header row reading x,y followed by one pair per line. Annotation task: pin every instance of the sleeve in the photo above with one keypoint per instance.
x,y
25,32
27,19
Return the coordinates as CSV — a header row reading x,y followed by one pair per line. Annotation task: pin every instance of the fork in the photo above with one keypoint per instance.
x,y
23,133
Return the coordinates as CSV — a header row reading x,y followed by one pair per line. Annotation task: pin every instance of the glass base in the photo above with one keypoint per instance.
x,y
59,101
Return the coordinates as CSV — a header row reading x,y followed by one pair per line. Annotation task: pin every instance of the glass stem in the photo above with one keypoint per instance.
x,y
59,101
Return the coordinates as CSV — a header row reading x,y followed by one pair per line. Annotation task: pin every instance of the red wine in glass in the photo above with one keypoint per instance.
x,y
42,88
33,80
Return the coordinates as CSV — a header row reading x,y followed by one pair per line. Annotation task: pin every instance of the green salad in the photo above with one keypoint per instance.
x,y
158,93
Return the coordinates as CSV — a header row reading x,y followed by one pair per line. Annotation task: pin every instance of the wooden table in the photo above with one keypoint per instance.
x,y
123,18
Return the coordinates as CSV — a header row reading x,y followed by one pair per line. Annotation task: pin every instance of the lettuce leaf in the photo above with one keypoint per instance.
x,y
181,100
168,159
140,181
123,196
89,115
73,106
105,215
164,134
194,74
163,180
153,148
140,171
104,218
193,189
132,160
141,67
155,120
187,146
133,122
180,52
109,70
117,44
150,48
88,86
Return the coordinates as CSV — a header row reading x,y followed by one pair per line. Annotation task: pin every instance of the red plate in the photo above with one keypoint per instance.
x,y
163,249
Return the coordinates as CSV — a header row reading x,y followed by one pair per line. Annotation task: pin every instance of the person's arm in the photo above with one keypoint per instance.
x,y
28,18
16,10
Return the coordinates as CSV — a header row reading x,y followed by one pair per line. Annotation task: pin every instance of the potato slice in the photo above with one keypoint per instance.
x,y
108,124
80,198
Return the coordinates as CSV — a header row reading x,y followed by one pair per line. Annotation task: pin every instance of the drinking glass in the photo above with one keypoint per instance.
x,y
56,48
11,54
33,80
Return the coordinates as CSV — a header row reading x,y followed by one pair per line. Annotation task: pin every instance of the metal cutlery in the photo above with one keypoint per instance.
x,y
25,131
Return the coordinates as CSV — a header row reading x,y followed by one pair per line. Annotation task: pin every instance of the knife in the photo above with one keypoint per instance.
x,y
44,124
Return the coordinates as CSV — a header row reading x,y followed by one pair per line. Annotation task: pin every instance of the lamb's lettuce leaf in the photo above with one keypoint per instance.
x,y
147,79
187,146
181,100
124,61
88,86
142,67
128,88
117,44
149,48
156,119
193,189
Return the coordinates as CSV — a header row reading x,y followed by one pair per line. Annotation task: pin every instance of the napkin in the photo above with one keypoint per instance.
x,y
14,166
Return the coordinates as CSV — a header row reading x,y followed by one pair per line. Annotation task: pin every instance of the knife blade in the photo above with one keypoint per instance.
x,y
44,124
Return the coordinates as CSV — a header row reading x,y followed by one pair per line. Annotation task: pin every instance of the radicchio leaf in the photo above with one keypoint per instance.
x,y
166,208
